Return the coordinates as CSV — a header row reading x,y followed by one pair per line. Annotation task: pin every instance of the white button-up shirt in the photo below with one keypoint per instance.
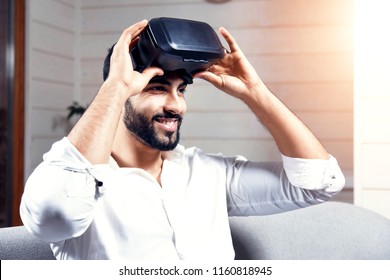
x,y
106,212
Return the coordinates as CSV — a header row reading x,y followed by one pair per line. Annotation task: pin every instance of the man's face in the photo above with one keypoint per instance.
x,y
154,116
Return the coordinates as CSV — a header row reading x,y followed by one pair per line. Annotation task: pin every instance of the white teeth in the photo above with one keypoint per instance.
x,y
167,121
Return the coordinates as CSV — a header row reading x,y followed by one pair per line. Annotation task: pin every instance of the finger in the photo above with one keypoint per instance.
x,y
216,68
122,47
151,72
229,39
132,32
133,42
219,70
138,27
209,77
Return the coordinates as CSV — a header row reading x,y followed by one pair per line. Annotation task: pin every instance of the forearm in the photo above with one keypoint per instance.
x,y
292,137
237,77
94,133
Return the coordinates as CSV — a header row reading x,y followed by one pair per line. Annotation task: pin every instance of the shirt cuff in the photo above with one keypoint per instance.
x,y
314,174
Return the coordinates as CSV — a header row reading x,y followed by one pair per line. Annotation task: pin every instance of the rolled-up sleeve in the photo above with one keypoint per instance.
x,y
60,195
263,188
314,174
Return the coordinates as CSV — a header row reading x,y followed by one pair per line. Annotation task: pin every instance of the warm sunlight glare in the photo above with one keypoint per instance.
x,y
372,47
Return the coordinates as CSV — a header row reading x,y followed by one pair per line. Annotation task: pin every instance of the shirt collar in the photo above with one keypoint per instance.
x,y
176,155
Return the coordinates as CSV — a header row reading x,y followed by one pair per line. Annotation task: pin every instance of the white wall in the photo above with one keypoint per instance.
x,y
301,49
50,74
372,103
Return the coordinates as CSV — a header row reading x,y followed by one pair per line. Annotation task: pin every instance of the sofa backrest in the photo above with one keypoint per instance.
x,y
332,230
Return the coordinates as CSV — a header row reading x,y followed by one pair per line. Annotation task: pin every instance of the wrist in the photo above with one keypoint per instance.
x,y
256,93
116,90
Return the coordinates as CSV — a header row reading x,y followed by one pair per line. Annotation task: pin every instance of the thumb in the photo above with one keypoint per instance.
x,y
150,72
209,77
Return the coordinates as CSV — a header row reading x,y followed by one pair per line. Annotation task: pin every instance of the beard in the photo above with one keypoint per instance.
x,y
143,128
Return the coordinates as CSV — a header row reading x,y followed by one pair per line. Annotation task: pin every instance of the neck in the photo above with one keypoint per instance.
x,y
128,151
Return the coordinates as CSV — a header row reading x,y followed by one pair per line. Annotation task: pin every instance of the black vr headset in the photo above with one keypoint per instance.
x,y
180,45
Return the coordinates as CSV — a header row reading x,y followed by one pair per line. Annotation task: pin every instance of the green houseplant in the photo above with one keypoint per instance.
x,y
75,110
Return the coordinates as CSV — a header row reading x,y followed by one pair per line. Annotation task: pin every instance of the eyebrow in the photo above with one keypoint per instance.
x,y
160,80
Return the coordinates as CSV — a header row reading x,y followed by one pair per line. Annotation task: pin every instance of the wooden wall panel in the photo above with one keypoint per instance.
x,y
50,75
52,39
46,95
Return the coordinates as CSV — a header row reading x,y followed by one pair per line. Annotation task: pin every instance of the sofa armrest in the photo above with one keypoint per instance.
x,y
16,243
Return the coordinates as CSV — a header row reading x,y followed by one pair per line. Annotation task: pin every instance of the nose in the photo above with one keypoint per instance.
x,y
175,103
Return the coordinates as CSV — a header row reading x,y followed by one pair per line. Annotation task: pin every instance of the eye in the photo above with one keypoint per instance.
x,y
157,89
182,90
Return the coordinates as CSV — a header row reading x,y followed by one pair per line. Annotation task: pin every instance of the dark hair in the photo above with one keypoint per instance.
x,y
106,66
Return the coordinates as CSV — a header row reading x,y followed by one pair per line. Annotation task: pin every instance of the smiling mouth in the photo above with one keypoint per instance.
x,y
166,121
169,124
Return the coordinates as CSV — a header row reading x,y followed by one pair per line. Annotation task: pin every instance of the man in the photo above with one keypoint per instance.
x,y
119,187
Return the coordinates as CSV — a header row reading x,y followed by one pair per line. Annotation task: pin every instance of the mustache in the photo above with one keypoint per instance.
x,y
167,115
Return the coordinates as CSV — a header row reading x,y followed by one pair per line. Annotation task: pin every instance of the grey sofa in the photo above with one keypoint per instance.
x,y
332,230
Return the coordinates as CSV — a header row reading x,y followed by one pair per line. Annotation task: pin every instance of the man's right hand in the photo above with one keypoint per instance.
x,y
121,67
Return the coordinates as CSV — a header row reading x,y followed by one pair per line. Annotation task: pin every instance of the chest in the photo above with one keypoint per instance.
x,y
188,212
